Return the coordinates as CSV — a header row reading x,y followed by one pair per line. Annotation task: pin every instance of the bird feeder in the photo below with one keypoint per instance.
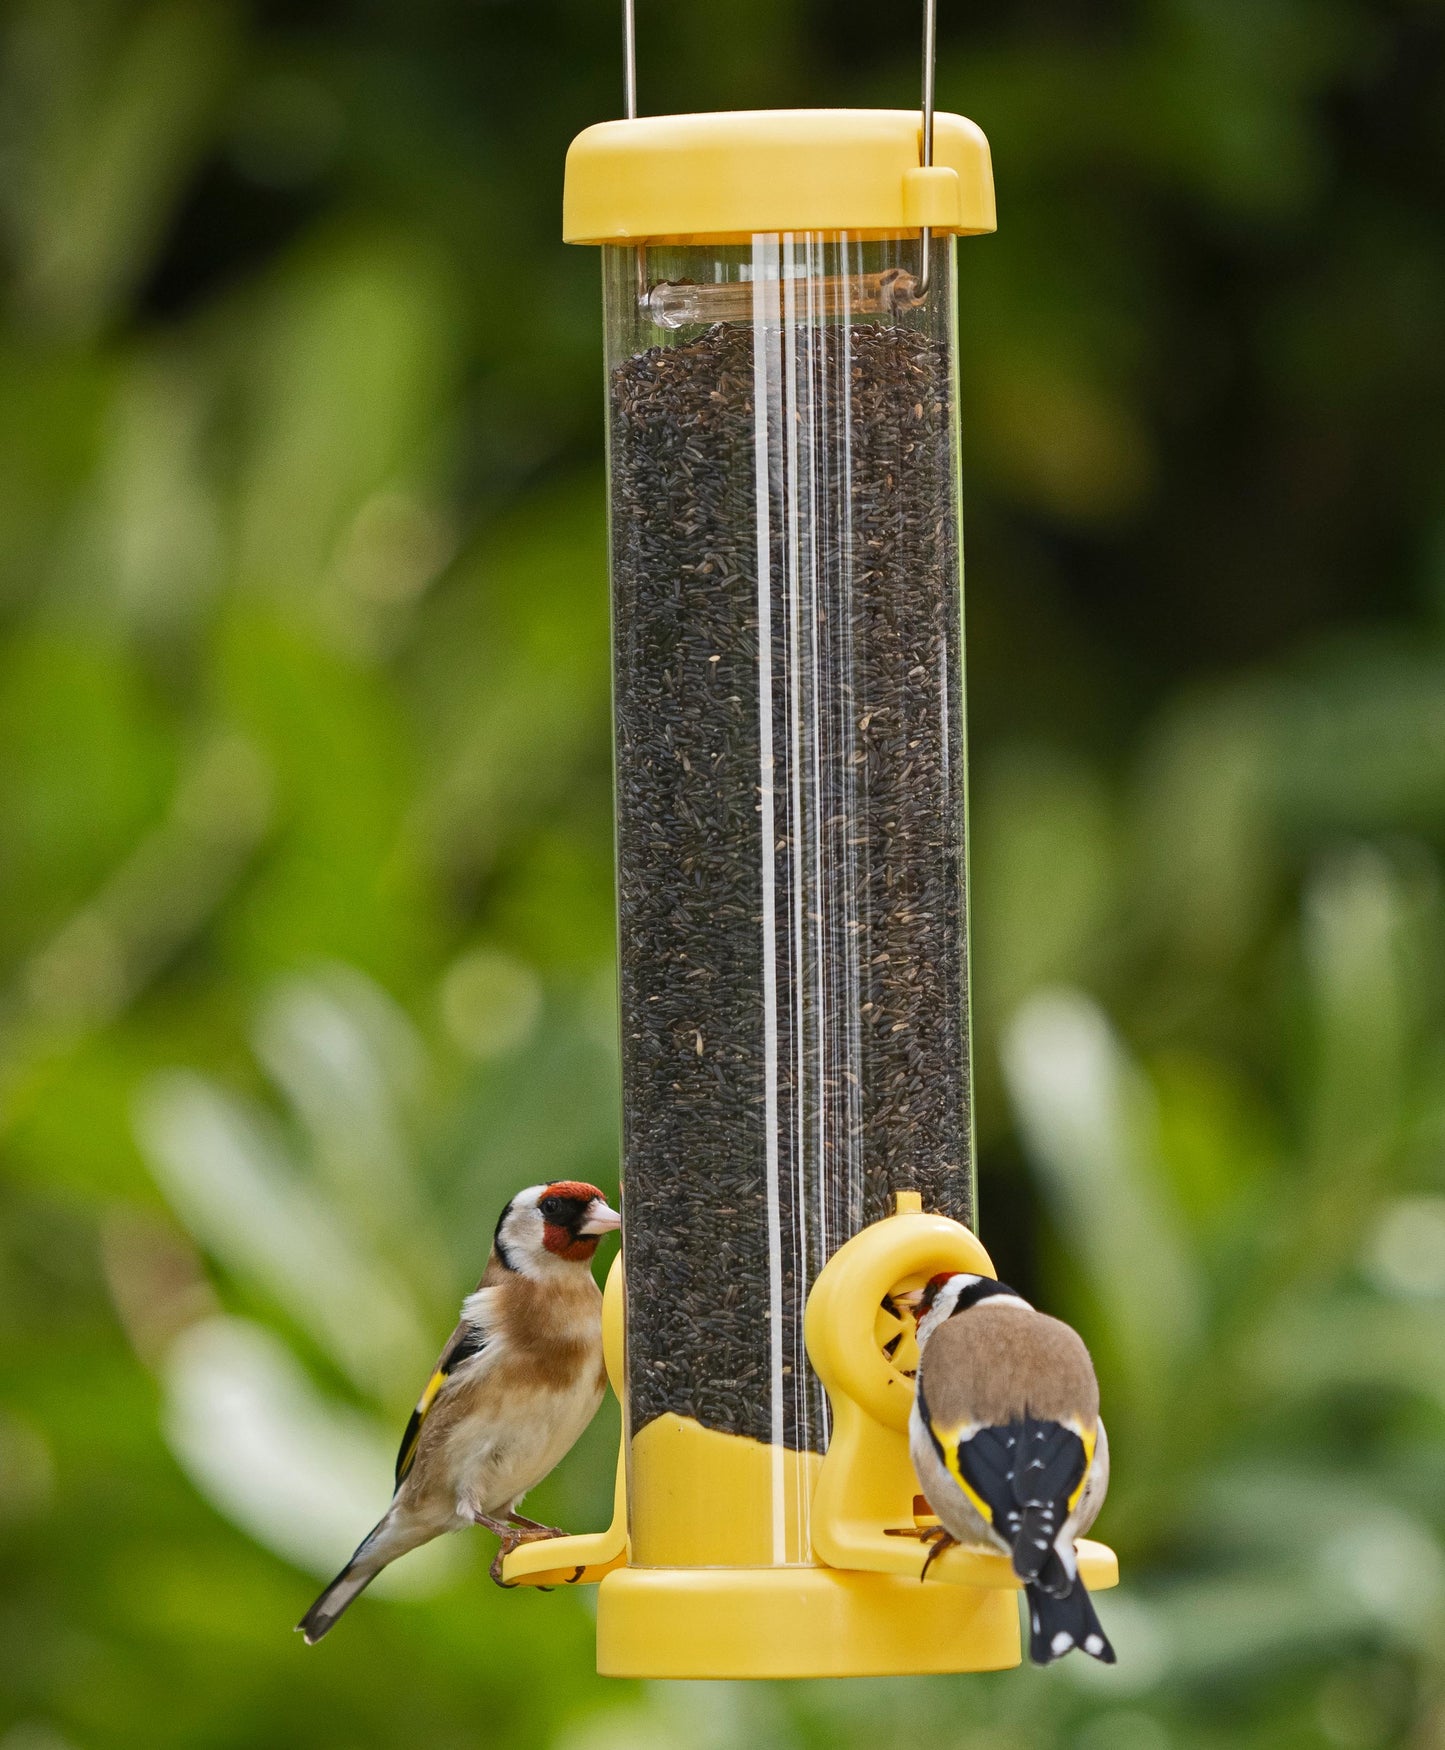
x,y
783,462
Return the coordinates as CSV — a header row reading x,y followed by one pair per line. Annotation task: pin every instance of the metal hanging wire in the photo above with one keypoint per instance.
x,y
629,104
629,60
930,47
921,284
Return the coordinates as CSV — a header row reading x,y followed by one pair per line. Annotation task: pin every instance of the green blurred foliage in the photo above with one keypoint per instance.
x,y
305,885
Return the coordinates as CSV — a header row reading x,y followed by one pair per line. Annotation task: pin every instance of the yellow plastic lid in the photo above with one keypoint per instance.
x,y
733,173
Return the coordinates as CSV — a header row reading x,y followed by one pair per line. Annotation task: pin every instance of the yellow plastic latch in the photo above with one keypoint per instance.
x,y
932,197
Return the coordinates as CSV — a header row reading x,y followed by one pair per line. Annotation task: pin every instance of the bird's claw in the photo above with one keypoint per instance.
x,y
940,1539
514,1539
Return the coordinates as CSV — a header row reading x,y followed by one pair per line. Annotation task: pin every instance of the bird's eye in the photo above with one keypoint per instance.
x,y
551,1207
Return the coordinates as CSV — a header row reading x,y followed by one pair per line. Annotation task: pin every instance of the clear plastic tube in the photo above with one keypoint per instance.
x,y
783,459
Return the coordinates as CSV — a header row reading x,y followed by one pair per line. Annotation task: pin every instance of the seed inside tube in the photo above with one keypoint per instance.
x,y
790,855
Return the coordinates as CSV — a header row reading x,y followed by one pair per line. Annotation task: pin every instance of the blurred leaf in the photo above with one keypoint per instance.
x,y
1217,1147
145,551
1203,851
1227,98
345,880
1359,951
1361,740
343,378
346,1058
1339,1526
1343,1345
1048,863
87,767
106,115
513,681
301,1476
1088,1120
226,1171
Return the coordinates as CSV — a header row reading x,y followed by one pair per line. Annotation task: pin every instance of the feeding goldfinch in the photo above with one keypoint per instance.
x,y
1007,1442
520,1378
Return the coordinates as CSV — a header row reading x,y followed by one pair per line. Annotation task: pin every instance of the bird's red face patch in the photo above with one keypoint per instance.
x,y
575,1196
565,1244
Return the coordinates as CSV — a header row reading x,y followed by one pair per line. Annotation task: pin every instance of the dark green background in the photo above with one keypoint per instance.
x,y
305,867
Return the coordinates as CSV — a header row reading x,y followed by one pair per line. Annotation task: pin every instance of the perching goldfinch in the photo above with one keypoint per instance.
x,y
520,1378
1007,1443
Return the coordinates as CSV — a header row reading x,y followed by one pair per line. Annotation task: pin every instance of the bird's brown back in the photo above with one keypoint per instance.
x,y
977,1365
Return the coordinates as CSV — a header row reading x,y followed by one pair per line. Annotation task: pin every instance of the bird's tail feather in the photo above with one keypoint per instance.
x,y
392,1536
1034,1550
349,1584
1051,1575
1058,1624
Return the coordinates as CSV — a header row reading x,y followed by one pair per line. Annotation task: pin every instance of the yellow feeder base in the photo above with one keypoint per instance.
x,y
797,1622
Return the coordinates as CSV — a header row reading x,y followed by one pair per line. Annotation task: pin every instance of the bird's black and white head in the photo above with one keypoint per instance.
x,y
553,1227
952,1292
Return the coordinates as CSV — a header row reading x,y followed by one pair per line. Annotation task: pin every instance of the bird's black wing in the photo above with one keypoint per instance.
x,y
466,1341
1024,1474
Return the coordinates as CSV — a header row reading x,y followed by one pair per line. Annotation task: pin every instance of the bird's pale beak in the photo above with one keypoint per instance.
x,y
601,1219
912,1298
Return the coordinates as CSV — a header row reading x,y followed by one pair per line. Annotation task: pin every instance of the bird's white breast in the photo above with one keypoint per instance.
x,y
513,1429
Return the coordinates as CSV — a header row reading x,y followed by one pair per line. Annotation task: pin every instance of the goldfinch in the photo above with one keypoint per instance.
x,y
1008,1446
520,1378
